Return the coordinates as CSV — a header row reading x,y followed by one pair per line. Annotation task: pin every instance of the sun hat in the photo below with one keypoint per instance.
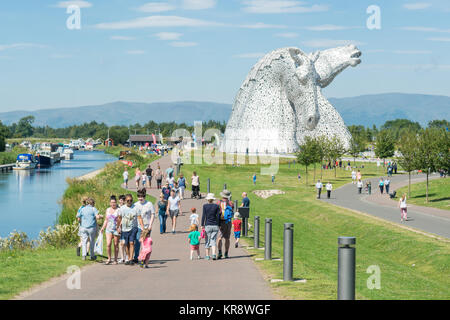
x,y
237,215
210,196
225,194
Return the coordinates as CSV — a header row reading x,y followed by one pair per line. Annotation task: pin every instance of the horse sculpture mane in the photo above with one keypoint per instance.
x,y
280,102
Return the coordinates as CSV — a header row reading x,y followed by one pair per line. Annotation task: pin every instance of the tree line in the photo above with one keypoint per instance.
x,y
119,134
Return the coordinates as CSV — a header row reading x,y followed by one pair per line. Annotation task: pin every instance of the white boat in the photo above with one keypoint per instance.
x,y
25,161
68,154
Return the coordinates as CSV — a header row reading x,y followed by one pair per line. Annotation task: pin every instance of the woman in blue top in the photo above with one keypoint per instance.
x,y
182,185
87,216
381,185
162,208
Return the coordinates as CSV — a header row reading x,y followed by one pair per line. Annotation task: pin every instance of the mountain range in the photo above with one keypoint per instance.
x,y
364,110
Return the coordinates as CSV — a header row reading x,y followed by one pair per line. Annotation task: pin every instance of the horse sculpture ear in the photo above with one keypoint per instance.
x,y
314,56
294,52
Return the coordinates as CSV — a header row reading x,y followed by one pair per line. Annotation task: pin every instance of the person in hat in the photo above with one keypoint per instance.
x,y
225,224
237,223
210,223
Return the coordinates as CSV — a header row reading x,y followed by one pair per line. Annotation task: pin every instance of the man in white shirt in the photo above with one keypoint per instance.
x,y
329,187
145,215
319,187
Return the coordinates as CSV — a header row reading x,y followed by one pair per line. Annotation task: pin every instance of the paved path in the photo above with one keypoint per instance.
x,y
172,275
427,219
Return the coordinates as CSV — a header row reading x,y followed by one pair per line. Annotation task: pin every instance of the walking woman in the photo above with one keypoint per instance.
x,y
110,225
138,177
88,216
195,185
173,208
158,177
403,207
210,223
182,185
381,185
162,213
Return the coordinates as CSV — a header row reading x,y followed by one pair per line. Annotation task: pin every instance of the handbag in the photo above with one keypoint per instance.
x,y
203,234
98,248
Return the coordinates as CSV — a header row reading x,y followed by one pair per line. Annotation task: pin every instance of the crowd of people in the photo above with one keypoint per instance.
x,y
128,224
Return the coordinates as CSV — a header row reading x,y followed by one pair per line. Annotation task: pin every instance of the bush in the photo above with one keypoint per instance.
x,y
60,237
17,241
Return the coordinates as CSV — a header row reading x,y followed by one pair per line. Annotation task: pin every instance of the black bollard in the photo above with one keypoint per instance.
x,y
256,233
244,227
288,251
208,186
235,206
346,268
268,240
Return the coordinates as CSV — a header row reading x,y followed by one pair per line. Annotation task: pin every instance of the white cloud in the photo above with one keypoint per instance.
x,y
180,44
328,27
412,51
260,25
425,29
168,35
157,21
439,39
198,4
255,55
280,6
81,4
328,43
287,35
122,38
417,6
135,52
156,7
20,46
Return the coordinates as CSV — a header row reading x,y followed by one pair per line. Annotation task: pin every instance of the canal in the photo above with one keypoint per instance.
x,y
30,198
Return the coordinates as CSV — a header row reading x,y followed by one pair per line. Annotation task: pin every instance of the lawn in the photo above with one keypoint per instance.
x,y
412,266
438,193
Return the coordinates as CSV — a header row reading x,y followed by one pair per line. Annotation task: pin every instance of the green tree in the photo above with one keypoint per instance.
x,y
443,161
307,154
427,158
4,133
333,151
385,145
444,124
357,145
24,127
408,147
397,126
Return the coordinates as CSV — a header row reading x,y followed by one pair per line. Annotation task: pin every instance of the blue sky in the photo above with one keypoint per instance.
x,y
172,50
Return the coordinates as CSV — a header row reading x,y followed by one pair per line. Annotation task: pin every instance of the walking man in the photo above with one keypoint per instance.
x,y
225,223
128,227
125,177
329,187
319,187
149,173
145,216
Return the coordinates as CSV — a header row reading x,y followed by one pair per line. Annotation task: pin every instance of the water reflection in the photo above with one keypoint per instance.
x,y
30,197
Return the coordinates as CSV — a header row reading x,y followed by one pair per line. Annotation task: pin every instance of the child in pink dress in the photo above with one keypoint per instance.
x,y
146,248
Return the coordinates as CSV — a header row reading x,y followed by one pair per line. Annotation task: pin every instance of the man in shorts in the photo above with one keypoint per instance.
x,y
224,226
145,216
128,227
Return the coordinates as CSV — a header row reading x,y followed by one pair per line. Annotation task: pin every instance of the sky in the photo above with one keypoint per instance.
x,y
202,50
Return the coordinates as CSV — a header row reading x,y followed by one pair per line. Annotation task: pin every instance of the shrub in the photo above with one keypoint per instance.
x,y
60,237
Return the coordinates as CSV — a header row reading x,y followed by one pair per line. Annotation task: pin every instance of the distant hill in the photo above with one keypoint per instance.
x,y
378,108
364,110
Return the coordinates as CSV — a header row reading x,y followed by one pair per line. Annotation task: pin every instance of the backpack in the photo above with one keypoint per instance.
x,y
228,213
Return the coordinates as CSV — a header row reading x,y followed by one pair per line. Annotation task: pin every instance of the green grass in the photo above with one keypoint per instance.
x,y
22,269
317,225
438,193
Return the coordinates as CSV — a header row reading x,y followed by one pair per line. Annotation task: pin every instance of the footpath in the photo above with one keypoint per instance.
x,y
430,220
172,275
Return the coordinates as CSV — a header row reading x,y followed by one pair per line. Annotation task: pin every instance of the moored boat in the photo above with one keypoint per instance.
x,y
25,161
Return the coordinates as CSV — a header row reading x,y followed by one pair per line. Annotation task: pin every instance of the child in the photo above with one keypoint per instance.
x,y
146,248
237,228
144,180
194,241
83,204
194,217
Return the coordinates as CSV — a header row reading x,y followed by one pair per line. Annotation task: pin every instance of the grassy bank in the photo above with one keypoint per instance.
x,y
11,156
22,268
412,266
438,193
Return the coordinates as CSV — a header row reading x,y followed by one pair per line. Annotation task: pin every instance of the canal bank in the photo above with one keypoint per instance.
x,y
31,199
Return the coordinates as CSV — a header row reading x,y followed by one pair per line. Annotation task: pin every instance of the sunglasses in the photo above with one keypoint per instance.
x,y
129,200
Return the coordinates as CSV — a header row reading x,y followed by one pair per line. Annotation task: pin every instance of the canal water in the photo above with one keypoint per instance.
x,y
30,198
